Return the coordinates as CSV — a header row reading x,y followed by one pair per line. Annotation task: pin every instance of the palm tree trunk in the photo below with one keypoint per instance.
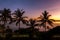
x,y
31,32
4,23
45,26
19,25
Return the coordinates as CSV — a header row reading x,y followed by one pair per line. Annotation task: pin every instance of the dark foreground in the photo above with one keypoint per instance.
x,y
53,34
25,38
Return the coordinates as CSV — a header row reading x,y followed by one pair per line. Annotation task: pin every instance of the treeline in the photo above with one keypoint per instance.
x,y
6,15
41,21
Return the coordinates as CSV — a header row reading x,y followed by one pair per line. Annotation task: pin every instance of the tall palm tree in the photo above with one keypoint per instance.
x,y
19,17
32,23
44,19
5,15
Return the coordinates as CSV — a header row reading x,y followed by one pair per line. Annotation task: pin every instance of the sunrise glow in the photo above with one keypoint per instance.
x,y
55,17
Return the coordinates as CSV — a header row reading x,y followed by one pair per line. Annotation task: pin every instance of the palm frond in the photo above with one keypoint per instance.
x,y
10,22
17,22
38,20
28,24
42,23
36,24
39,17
22,12
45,14
48,16
50,22
24,21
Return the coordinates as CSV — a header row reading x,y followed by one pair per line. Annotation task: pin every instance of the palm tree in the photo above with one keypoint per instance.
x,y
5,14
44,19
19,17
32,23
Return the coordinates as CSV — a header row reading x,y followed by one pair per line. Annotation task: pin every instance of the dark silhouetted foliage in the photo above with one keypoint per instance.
x,y
44,19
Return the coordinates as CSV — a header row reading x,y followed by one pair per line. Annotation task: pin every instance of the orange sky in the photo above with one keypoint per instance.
x,y
54,10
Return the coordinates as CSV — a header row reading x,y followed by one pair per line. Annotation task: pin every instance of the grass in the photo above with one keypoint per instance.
x,y
20,35
14,35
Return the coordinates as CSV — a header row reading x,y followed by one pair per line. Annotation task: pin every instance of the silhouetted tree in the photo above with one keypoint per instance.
x,y
53,32
44,19
12,19
5,15
19,16
32,23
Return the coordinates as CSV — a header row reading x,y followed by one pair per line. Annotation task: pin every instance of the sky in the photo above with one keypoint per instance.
x,y
34,8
